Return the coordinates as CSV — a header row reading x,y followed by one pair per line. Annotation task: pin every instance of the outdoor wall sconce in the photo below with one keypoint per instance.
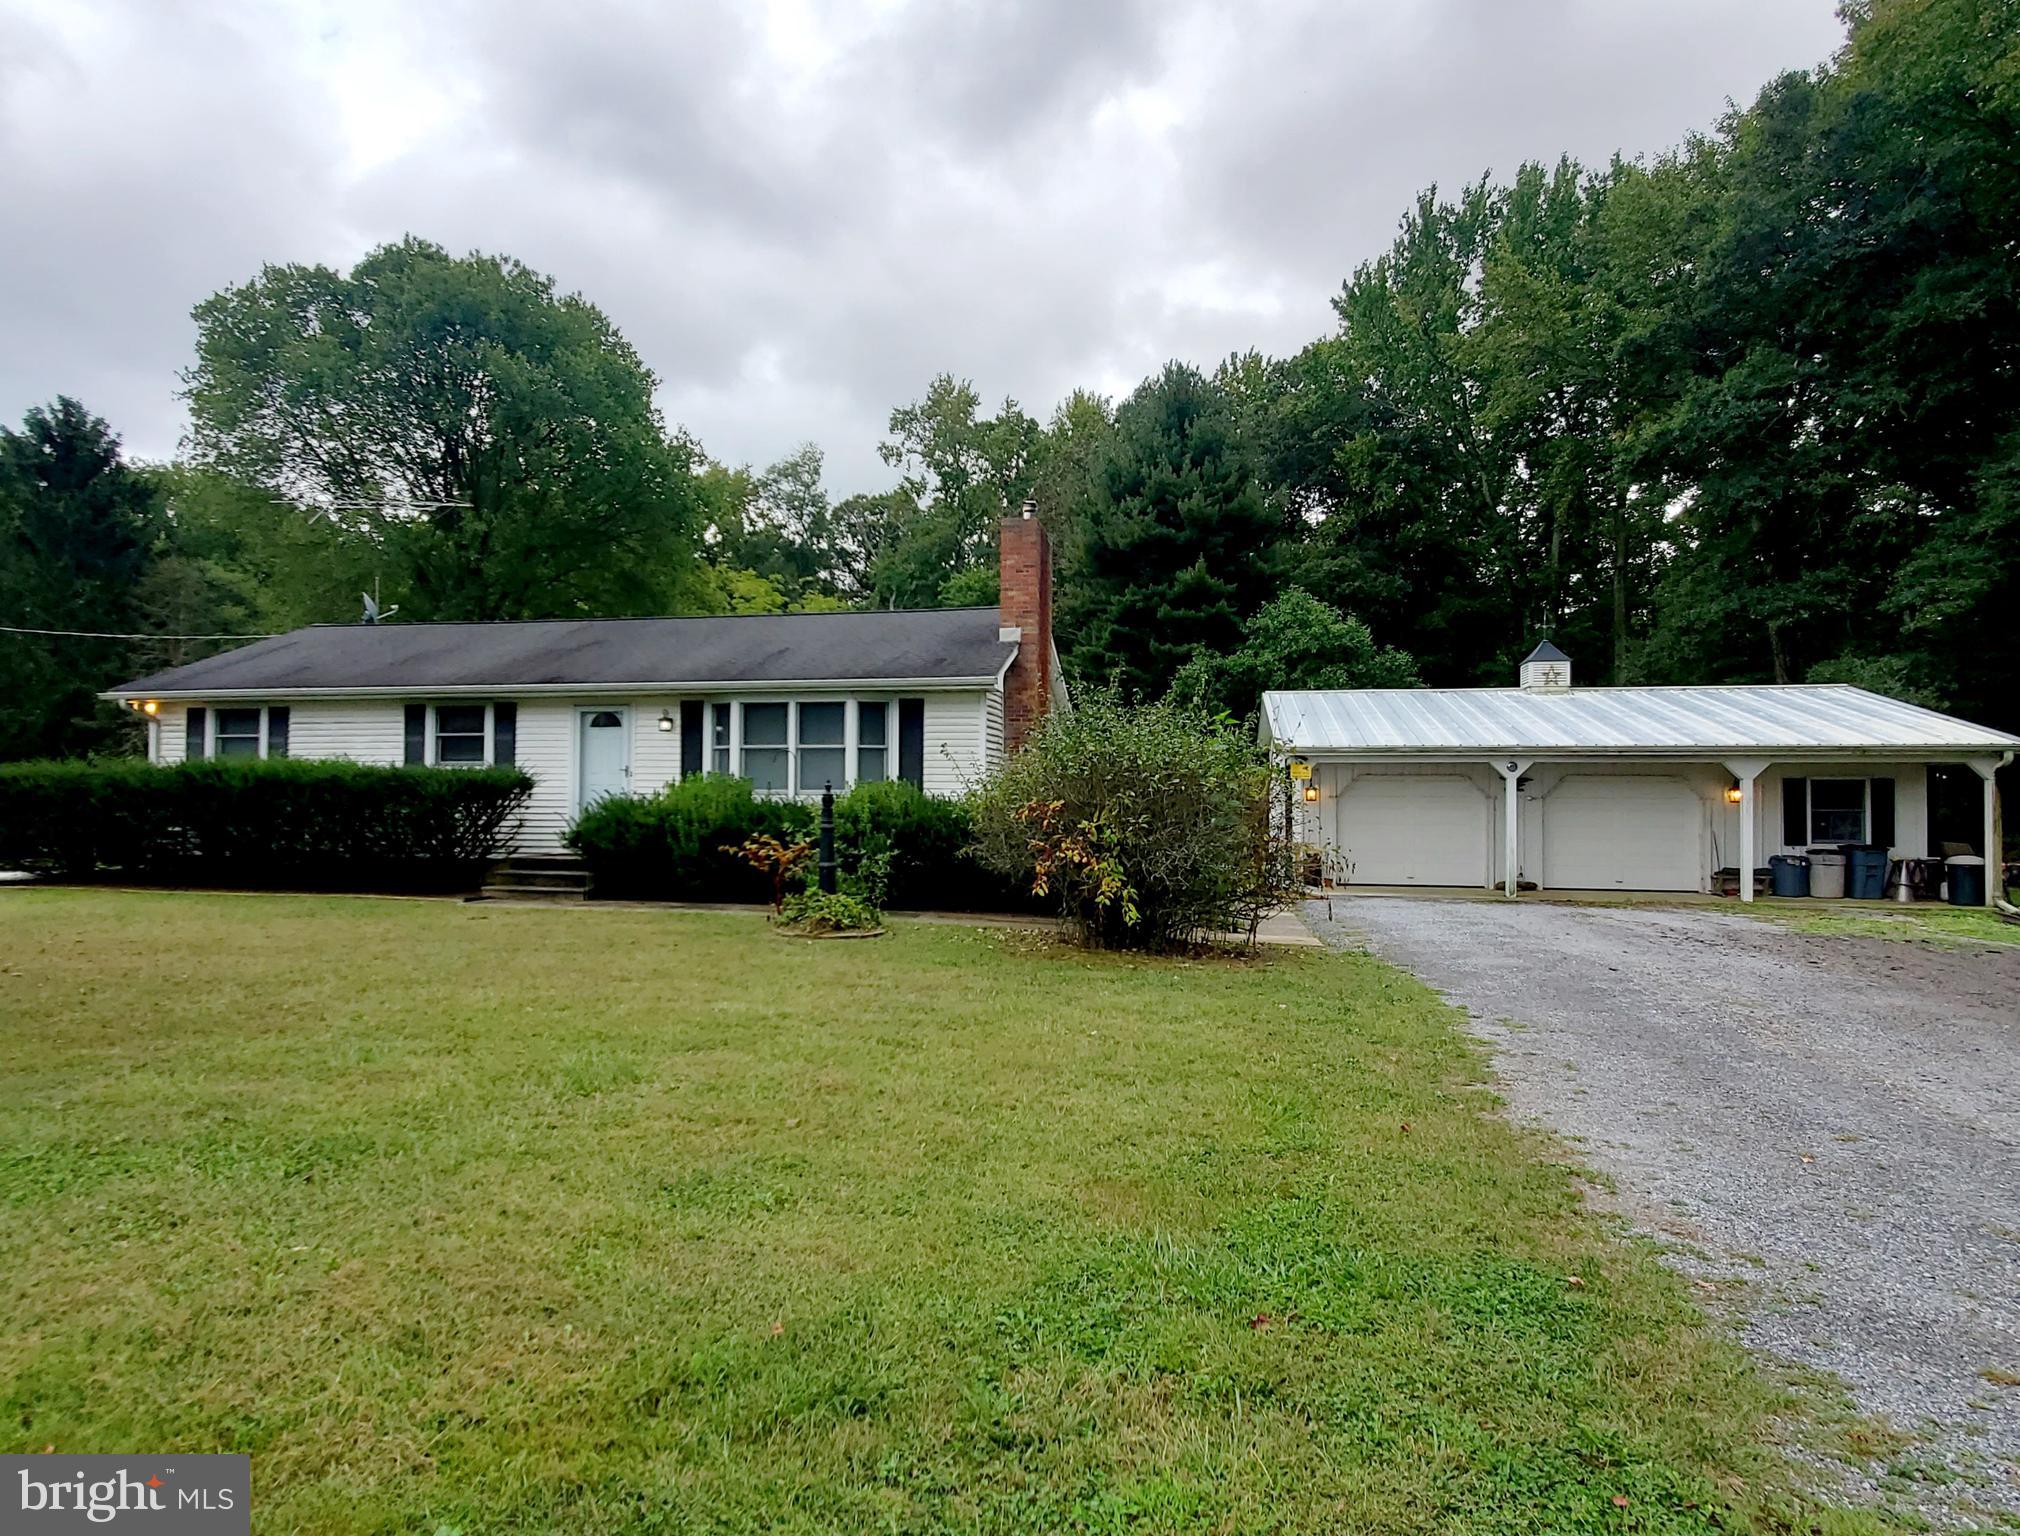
x,y
145,706
1734,795
1311,794
665,721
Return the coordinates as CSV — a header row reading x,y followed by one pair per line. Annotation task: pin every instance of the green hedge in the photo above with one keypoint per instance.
x,y
926,846
898,846
668,847
304,825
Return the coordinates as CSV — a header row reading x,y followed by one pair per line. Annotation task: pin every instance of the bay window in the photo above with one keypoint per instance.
x,y
794,747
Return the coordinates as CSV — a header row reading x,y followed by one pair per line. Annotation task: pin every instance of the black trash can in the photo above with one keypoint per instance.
x,y
1865,871
1789,874
1967,880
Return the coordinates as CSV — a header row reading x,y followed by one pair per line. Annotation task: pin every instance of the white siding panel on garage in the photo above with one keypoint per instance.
x,y
1413,829
953,742
362,730
1623,832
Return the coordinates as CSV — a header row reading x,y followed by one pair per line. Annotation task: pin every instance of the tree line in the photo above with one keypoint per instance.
x,y
1746,411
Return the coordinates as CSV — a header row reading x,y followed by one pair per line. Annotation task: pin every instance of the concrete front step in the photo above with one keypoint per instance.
x,y
555,893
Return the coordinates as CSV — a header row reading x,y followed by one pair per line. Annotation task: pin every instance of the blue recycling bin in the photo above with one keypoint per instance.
x,y
1865,872
1789,874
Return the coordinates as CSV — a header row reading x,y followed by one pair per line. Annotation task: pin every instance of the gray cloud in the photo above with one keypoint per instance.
x,y
799,211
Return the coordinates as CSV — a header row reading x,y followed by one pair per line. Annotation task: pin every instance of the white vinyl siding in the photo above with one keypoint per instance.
x,y
953,742
361,730
547,752
171,729
992,725
655,754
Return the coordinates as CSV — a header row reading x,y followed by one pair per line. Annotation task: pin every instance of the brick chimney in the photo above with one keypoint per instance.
x,y
1024,610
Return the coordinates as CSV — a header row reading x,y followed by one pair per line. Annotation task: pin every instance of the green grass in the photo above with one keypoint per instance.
x,y
469,1220
1935,922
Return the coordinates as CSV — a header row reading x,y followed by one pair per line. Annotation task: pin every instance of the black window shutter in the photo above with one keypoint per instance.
x,y
277,730
1795,813
193,727
690,737
912,741
417,733
1881,832
504,734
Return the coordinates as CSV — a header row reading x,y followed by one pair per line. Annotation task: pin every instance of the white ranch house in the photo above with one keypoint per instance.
x,y
594,707
1651,789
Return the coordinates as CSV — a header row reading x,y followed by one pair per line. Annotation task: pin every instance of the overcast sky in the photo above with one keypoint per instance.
x,y
799,212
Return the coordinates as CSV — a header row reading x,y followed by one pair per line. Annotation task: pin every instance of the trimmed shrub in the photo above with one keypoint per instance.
x,y
680,845
818,912
1150,827
281,824
905,850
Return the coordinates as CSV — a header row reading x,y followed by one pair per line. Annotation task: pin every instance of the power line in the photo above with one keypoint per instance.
x,y
104,634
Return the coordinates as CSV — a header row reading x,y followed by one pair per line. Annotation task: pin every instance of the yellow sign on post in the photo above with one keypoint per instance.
x,y
1300,769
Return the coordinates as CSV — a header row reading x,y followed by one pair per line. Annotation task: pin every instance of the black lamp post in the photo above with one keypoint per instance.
x,y
828,871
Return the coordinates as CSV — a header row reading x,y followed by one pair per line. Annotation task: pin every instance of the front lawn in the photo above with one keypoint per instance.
x,y
473,1220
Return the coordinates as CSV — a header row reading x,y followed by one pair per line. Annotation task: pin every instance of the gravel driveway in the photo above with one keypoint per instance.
x,y
1838,1120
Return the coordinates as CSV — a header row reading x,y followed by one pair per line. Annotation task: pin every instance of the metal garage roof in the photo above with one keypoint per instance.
x,y
1802,717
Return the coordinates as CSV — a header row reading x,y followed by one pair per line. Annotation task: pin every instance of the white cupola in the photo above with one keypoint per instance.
x,y
1548,670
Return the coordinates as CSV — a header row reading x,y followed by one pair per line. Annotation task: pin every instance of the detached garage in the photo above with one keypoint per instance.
x,y
1550,787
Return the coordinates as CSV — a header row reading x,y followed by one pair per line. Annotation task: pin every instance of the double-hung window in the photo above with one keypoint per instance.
x,y
1837,811
459,735
872,741
823,747
767,748
237,733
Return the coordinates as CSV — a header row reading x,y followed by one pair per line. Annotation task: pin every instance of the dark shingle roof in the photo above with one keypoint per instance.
x,y
922,645
1545,652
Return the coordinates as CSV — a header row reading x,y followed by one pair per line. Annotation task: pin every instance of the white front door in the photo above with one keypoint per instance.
x,y
602,755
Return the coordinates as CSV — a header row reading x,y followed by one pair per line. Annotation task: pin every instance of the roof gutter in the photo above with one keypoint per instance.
x,y
568,690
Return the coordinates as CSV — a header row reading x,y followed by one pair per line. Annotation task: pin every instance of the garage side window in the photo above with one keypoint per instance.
x,y
1837,811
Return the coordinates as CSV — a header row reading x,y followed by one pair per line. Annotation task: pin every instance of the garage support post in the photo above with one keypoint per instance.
x,y
1747,770
1511,773
1987,769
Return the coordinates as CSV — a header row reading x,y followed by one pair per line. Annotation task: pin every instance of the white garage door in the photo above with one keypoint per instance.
x,y
1414,830
1603,833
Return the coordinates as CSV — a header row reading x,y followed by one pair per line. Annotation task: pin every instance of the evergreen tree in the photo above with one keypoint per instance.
x,y
1178,546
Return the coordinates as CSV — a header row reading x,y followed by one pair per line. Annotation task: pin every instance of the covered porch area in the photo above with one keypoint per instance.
x,y
1590,824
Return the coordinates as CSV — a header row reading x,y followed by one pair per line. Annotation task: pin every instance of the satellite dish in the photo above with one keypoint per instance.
x,y
373,612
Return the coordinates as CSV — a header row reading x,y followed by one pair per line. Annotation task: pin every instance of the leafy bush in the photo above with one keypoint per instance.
x,y
1151,827
900,847
301,824
681,844
825,912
